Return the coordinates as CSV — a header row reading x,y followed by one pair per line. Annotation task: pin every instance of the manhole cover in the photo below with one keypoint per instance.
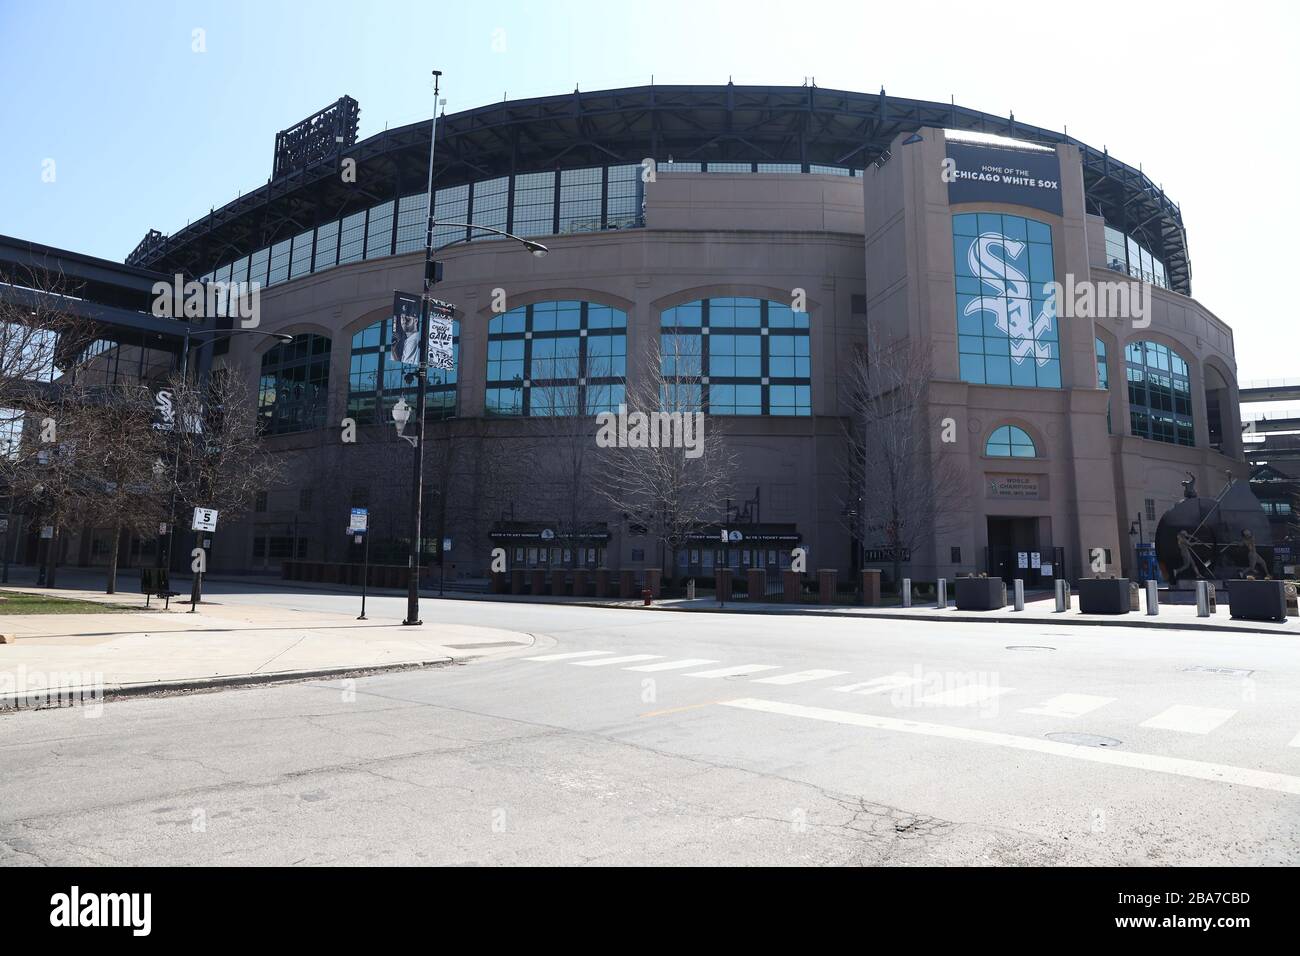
x,y
1223,671
1083,740
1029,647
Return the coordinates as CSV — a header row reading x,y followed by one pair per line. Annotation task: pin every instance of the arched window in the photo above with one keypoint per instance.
x,y
747,356
376,380
1008,441
556,358
1159,393
294,386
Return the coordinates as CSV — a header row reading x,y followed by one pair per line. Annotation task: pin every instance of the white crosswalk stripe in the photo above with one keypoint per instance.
x,y
738,671
1188,719
1296,742
1068,705
966,696
878,685
626,659
567,655
671,665
799,677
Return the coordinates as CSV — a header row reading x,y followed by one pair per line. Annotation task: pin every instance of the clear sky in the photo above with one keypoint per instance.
x,y
144,132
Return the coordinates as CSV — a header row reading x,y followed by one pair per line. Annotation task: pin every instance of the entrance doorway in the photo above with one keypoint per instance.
x,y
1014,551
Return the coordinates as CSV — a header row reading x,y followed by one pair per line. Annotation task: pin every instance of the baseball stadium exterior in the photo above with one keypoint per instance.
x,y
708,212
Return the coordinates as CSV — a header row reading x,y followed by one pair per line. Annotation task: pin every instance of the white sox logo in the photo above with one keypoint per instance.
x,y
1010,302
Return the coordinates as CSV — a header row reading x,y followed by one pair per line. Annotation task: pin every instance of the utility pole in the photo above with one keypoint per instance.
x,y
421,381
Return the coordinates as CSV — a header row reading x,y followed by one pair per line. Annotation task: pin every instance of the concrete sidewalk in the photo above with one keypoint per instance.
x,y
225,643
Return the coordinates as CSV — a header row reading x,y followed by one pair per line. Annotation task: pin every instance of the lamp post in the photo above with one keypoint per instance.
x,y
422,369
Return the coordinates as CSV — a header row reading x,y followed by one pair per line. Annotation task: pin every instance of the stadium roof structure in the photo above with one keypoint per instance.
x,y
775,124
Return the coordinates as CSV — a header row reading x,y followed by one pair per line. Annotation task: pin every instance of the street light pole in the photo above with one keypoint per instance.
x,y
421,378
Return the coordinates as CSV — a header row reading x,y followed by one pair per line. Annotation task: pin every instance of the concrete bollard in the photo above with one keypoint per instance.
x,y
1062,596
941,593
907,592
1153,598
1018,587
690,590
1202,598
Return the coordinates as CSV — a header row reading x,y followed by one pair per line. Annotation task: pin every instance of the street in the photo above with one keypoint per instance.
x,y
640,737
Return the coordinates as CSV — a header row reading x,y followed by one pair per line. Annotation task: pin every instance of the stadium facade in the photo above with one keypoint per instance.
x,y
898,220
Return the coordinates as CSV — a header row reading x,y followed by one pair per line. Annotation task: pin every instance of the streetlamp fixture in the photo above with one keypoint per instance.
x,y
432,274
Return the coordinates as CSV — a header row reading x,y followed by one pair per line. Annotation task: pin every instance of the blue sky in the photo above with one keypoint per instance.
x,y
147,133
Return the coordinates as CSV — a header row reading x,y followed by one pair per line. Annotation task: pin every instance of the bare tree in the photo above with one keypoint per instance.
x,y
898,487
676,480
123,459
219,459
567,456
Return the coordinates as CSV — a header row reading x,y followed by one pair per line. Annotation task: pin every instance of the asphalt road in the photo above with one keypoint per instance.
x,y
673,738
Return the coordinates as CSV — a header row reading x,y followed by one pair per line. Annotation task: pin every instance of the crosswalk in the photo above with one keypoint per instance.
x,y
907,691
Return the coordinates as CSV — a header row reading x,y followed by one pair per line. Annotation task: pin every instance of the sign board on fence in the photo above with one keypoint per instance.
x,y
1022,559
360,517
47,531
1047,570
1035,559
205,519
446,546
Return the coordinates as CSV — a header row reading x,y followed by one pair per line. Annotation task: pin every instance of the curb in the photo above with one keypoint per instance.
x,y
72,696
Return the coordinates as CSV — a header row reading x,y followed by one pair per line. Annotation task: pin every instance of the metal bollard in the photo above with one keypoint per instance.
x,y
907,592
1062,596
1202,599
1019,592
690,590
1153,598
941,593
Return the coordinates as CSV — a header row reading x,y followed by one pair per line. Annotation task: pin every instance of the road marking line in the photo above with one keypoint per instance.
x,y
879,685
1069,705
671,665
678,710
798,677
966,696
568,655
1188,719
627,659
1296,742
1200,770
739,671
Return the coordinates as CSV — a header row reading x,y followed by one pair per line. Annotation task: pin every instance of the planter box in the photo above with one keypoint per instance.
x,y
1257,600
1104,596
980,594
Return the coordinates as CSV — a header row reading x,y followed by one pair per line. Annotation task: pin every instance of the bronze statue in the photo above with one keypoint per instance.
x,y
1252,556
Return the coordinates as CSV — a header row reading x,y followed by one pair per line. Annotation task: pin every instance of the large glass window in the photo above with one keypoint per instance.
x,y
556,358
411,213
1008,441
534,208
1006,327
1103,377
1159,393
294,387
379,232
751,356
1126,254
491,205
352,244
376,381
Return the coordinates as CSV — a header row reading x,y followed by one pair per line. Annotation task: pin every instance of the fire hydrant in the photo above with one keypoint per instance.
x,y
645,597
